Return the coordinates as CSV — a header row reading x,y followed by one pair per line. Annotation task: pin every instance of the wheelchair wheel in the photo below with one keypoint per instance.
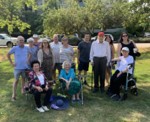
x,y
134,91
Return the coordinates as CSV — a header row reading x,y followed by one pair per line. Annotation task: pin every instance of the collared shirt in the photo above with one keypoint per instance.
x,y
124,62
56,51
21,56
100,50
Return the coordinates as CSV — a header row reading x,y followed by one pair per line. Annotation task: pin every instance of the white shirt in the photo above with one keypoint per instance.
x,y
56,49
100,50
123,63
41,79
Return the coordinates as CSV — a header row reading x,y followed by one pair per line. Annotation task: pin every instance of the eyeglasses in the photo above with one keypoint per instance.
x,y
124,35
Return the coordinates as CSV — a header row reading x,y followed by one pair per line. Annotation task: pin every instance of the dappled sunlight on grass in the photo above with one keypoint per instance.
x,y
97,107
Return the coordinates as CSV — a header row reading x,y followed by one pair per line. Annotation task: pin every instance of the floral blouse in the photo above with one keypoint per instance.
x,y
34,79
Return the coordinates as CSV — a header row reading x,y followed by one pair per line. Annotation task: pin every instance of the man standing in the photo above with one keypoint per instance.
x,y
55,45
100,57
83,55
21,56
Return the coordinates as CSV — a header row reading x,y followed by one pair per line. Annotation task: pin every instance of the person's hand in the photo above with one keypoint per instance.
x,y
39,88
67,85
119,74
13,64
78,62
92,63
46,88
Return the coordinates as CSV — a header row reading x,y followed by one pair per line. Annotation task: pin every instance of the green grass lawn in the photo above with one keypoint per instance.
x,y
97,107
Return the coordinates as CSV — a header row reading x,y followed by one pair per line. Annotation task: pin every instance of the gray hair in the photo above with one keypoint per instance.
x,y
20,38
65,63
30,40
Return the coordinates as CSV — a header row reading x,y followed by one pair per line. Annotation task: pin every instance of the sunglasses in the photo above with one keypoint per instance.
x,y
124,35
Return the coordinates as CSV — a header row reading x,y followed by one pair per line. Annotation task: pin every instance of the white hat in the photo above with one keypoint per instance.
x,y
30,40
125,49
35,36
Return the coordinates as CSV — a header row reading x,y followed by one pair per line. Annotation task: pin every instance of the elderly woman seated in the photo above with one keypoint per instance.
x,y
39,85
119,77
72,85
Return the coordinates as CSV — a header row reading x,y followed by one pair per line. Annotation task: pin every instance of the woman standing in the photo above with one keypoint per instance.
x,y
33,51
126,42
112,52
45,57
66,52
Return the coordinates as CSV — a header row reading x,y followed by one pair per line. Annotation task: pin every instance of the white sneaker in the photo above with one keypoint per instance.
x,y
40,109
45,108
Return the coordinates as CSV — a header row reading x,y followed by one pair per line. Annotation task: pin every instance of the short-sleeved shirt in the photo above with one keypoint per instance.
x,y
21,56
124,62
67,76
56,49
66,54
84,48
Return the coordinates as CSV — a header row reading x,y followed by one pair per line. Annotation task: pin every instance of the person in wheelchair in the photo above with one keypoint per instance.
x,y
39,85
119,77
69,82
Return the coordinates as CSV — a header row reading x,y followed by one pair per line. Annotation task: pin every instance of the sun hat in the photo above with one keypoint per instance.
x,y
30,40
59,103
125,49
101,34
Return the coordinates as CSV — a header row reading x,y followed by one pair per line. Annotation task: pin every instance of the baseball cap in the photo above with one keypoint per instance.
x,y
101,34
125,49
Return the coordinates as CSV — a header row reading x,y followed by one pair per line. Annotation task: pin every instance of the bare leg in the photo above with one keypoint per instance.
x,y
22,85
15,83
78,94
73,97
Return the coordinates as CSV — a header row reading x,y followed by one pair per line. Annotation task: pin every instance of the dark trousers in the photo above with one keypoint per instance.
x,y
99,71
116,82
37,97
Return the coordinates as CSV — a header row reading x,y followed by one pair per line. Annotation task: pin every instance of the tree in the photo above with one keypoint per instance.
x,y
138,17
69,17
11,13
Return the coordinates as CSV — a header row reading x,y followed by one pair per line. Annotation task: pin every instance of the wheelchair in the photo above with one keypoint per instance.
x,y
130,83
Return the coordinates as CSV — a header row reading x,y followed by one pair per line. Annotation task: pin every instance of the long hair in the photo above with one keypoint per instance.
x,y
111,41
46,40
121,39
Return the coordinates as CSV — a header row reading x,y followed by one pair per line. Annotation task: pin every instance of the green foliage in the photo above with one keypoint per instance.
x,y
70,17
11,13
138,17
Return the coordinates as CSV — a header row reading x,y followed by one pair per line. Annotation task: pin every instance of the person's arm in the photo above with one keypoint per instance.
x,y
134,44
113,52
9,56
91,54
119,49
108,53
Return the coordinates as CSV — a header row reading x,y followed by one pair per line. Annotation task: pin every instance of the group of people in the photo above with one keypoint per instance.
x,y
45,57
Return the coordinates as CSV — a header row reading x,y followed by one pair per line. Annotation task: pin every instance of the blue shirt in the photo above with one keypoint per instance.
x,y
33,50
67,76
21,56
